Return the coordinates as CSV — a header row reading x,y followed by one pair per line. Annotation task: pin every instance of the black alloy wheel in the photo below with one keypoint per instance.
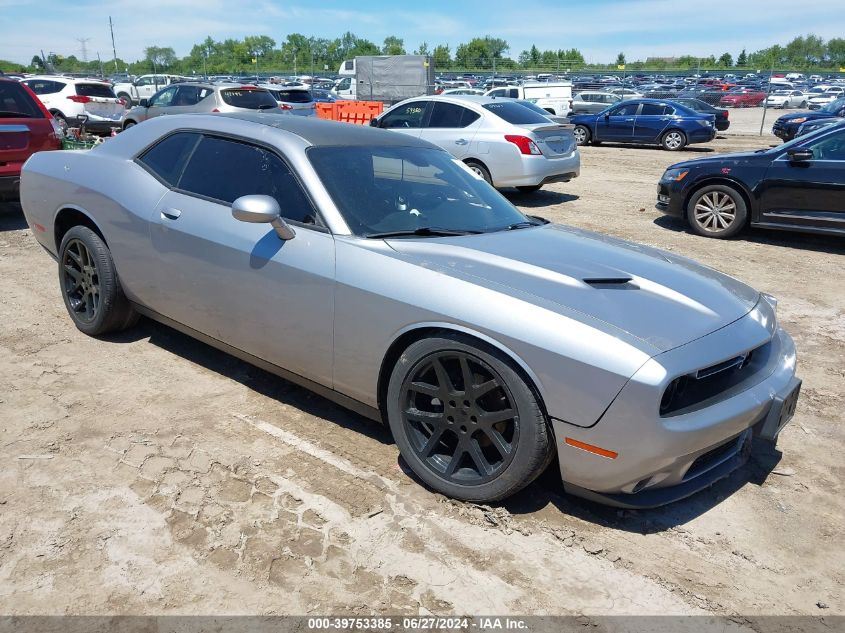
x,y
81,281
466,420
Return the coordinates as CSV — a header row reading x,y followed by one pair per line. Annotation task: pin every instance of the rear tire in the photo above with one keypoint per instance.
x,y
126,99
673,140
481,170
128,124
90,287
717,211
442,404
529,188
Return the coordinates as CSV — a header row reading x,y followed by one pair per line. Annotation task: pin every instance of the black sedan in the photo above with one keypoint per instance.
x,y
786,127
698,105
798,186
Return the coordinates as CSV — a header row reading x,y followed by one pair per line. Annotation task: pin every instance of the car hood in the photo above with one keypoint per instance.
x,y
723,160
668,300
808,114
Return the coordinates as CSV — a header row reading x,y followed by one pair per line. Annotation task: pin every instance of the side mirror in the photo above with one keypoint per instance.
x,y
262,210
144,103
373,122
800,155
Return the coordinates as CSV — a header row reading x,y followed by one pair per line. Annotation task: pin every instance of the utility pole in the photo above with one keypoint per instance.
x,y
100,62
113,49
83,44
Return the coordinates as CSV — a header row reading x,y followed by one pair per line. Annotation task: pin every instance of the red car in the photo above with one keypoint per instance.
x,y
26,127
743,98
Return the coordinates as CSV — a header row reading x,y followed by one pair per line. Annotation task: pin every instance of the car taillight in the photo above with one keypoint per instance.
x,y
285,106
79,98
525,144
726,113
215,110
58,132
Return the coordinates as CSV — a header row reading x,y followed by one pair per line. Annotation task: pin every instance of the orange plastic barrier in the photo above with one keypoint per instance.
x,y
357,112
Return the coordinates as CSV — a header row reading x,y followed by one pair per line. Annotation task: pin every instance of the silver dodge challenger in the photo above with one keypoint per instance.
x,y
381,272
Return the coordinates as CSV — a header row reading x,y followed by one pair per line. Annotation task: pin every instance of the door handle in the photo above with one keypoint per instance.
x,y
461,141
171,214
629,119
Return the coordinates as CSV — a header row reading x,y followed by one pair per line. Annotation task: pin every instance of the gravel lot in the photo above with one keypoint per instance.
x,y
147,473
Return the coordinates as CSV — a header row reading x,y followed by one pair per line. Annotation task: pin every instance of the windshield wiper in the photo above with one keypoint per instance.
x,y
425,231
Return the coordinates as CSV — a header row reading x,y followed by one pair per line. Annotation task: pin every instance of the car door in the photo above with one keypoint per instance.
x,y
406,118
239,282
617,124
811,192
452,127
160,103
651,121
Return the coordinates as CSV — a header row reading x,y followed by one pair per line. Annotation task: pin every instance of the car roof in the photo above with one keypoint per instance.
x,y
319,132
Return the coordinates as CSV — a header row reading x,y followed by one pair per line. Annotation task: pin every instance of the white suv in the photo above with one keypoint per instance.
x,y
143,87
554,98
77,102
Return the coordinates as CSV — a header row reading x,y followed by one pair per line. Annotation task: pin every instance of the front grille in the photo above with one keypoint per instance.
x,y
695,389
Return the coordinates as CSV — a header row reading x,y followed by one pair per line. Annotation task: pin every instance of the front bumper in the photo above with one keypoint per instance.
x,y
670,198
529,171
663,459
783,132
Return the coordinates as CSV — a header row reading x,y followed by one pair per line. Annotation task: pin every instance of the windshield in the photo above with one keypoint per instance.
x,y
252,98
386,189
834,106
295,96
515,113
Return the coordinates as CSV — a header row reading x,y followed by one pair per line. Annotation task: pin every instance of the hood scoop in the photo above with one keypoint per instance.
x,y
611,282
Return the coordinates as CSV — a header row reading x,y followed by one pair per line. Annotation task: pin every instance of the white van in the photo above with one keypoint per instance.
x,y
554,97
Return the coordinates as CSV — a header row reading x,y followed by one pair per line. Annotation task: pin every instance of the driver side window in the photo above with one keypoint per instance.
x,y
409,115
830,148
629,109
163,98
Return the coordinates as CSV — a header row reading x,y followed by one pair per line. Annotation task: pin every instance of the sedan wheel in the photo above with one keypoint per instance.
x,y
717,211
582,135
674,140
90,287
465,421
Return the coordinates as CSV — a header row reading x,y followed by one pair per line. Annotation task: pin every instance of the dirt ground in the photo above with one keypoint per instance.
x,y
147,473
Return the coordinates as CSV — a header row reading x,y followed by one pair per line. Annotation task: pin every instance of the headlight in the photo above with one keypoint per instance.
x,y
799,120
676,175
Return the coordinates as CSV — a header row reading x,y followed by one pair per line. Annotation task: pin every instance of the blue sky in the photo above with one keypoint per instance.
x,y
599,28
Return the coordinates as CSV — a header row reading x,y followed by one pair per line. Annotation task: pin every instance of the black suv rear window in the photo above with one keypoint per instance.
x,y
248,98
95,90
15,102
295,96
515,113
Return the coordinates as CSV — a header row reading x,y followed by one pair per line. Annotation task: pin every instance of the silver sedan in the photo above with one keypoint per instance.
x,y
501,140
380,272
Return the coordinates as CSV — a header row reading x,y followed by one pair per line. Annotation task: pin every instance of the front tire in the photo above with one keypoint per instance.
x,y
582,134
465,421
717,211
90,287
673,140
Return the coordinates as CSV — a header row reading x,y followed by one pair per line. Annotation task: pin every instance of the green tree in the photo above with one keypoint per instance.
x,y
393,45
161,57
571,56
742,59
836,52
620,59
442,56
726,60
422,49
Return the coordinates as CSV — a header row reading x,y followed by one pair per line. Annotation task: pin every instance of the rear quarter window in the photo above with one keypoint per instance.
x,y
167,158
45,87
95,90
15,101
